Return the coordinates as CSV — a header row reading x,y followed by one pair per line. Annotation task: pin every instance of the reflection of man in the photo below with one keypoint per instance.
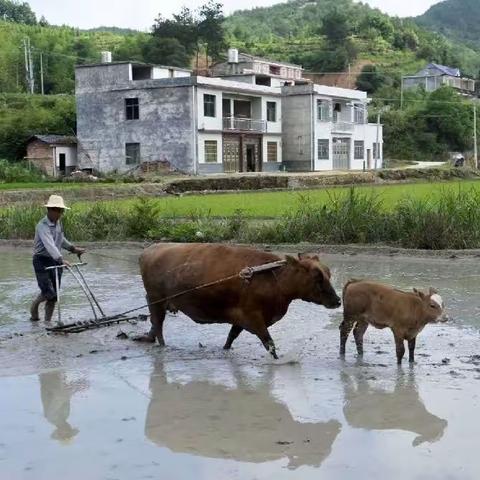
x,y
245,423
401,409
56,393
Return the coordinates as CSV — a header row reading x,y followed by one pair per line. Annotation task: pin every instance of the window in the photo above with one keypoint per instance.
x,y
359,150
132,109
359,114
271,111
211,151
323,147
132,153
272,151
323,111
209,105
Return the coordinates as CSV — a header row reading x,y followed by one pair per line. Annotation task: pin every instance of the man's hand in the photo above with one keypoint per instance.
x,y
79,250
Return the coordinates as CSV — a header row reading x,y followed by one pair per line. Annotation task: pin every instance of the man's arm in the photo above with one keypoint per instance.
x,y
47,240
70,247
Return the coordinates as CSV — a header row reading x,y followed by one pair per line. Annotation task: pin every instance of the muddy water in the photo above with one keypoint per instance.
x,y
93,406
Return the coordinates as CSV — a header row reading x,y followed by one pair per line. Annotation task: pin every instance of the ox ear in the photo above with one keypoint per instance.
x,y
432,291
291,260
419,293
308,256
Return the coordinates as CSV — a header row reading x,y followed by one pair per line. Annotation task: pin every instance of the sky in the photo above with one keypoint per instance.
x,y
140,14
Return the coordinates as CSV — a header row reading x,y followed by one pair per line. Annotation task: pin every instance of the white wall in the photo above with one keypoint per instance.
x,y
70,156
201,146
272,138
210,123
367,133
272,127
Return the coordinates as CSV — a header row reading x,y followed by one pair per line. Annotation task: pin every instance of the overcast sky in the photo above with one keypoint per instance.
x,y
140,14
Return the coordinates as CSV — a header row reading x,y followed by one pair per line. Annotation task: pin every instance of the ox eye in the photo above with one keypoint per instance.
x,y
434,305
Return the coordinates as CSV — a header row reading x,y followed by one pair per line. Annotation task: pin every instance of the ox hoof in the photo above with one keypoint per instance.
x,y
144,339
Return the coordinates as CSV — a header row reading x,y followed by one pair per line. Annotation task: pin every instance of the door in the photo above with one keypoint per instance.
x,y
251,163
341,153
231,154
61,163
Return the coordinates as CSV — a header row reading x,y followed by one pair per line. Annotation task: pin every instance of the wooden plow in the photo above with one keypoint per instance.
x,y
99,318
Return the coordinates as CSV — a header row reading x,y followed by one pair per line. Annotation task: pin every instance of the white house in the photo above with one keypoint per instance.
x,y
326,128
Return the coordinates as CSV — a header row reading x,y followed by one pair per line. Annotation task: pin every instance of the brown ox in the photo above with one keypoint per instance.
x,y
406,313
168,270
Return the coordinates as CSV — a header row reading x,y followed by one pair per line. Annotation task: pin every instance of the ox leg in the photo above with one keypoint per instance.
x,y
358,333
235,331
411,349
268,343
345,329
400,347
157,316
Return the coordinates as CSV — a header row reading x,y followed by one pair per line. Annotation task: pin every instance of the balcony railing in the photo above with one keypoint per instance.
x,y
244,124
343,126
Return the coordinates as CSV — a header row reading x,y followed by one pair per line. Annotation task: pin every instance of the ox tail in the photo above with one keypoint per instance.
x,y
349,282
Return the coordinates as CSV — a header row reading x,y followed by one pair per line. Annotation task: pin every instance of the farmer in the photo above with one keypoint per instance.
x,y
49,240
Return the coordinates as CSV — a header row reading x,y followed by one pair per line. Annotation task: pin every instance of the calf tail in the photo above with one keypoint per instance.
x,y
349,282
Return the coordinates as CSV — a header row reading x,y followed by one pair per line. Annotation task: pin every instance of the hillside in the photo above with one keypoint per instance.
x,y
456,19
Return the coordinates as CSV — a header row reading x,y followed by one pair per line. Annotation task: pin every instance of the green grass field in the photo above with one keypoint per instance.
x,y
275,204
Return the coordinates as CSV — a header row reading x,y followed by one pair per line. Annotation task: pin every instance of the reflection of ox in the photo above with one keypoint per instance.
x,y
373,408
168,270
244,423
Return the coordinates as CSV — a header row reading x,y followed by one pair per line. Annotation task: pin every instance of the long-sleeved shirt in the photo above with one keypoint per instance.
x,y
49,239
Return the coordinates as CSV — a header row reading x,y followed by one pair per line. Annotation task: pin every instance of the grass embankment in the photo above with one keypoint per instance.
x,y
449,218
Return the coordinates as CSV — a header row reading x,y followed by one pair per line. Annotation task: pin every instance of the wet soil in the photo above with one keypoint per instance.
x,y
91,405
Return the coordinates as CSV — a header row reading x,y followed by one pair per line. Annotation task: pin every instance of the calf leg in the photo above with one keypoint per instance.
x,y
235,331
358,333
345,329
411,349
400,347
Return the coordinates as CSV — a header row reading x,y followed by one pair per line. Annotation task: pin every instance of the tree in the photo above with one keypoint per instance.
x,y
166,51
210,29
336,27
17,12
371,79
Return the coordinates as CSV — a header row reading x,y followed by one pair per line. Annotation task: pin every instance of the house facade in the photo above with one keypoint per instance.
x,y
253,116
128,114
434,76
55,155
326,128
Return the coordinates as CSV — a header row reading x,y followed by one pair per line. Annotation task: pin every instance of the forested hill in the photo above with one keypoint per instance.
x,y
457,19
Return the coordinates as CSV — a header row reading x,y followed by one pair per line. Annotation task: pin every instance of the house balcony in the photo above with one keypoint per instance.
x,y
343,127
236,124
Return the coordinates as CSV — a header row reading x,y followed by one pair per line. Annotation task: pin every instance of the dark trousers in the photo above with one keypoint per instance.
x,y
46,278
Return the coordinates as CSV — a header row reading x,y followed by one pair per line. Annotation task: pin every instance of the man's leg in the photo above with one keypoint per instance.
x,y
46,283
52,298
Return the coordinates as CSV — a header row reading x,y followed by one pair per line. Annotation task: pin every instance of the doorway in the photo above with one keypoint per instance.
x,y
61,163
251,160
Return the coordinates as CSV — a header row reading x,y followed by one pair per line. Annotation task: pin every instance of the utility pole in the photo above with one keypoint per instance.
x,y
401,92
377,147
41,73
28,64
475,152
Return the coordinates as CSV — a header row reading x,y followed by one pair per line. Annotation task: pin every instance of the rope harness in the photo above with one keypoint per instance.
x,y
246,274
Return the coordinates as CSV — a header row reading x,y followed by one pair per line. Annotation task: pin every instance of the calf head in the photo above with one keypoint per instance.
x,y
433,306
312,280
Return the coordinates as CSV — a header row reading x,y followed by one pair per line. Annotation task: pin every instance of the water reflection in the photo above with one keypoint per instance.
x,y
56,393
373,408
244,423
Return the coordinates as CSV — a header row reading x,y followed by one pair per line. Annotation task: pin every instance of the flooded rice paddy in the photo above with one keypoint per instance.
x,y
94,406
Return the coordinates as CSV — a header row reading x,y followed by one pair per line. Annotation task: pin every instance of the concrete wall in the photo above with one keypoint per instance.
x,y
297,132
165,129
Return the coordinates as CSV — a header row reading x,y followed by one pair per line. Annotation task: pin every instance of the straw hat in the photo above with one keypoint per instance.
x,y
56,201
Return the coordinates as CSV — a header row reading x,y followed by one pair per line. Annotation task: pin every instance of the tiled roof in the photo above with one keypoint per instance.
x,y
56,139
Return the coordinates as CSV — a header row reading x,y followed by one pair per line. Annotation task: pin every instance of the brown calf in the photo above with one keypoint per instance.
x,y
405,313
